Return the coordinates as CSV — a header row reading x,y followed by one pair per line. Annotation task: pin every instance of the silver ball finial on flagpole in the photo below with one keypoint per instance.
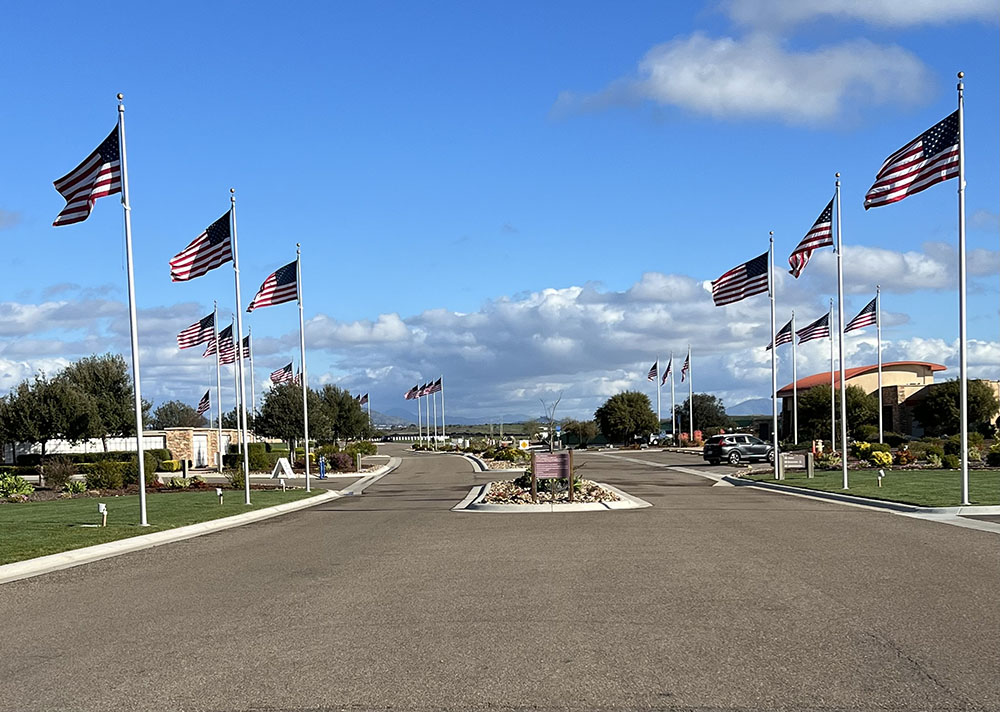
x,y
120,96
961,75
837,175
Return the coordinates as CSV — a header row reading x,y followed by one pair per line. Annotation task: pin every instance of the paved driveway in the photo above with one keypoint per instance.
x,y
715,598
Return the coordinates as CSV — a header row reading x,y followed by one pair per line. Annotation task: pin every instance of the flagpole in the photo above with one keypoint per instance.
x,y
690,397
878,333
441,378
774,360
133,327
420,429
236,378
658,418
427,419
673,404
963,376
795,387
435,401
239,349
833,401
840,340
302,356
253,388
218,378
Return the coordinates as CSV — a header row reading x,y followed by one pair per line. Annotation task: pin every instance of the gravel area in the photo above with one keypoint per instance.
x,y
505,465
508,492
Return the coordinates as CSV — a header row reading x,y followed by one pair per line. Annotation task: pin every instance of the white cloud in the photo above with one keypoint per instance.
x,y
756,77
892,13
8,219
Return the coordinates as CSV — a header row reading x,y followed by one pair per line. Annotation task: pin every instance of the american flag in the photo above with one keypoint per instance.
x,y
412,393
99,175
434,387
228,353
651,376
930,158
280,287
197,333
666,374
204,404
363,399
819,329
741,282
225,344
865,317
297,380
784,336
686,366
424,390
819,235
212,248
282,375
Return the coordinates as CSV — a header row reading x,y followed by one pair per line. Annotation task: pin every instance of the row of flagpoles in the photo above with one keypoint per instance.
x,y
936,155
654,375
105,172
431,388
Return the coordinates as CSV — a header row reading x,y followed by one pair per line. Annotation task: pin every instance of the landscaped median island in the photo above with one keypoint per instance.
x,y
921,488
32,529
518,491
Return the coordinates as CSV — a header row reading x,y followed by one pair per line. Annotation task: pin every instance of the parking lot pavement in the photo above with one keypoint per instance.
x,y
713,598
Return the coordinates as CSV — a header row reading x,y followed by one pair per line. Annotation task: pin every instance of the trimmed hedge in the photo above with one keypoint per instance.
x,y
18,470
171,466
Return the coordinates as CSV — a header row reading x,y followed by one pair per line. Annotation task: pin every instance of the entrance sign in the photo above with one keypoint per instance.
x,y
547,466
282,467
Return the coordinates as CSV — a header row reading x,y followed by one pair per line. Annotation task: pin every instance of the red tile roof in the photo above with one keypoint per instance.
x,y
823,379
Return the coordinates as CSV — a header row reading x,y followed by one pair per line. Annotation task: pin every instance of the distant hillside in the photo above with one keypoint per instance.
x,y
754,406
400,417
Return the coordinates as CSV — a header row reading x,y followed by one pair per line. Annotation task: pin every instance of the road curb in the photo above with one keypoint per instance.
x,y
473,502
75,557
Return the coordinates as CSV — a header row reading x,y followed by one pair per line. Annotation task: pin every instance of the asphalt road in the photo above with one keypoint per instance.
x,y
715,598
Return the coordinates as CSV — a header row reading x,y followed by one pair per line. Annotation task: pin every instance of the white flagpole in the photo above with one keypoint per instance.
x,y
963,376
302,356
236,380
840,340
658,418
690,397
443,436
435,401
427,419
239,353
833,388
774,360
218,380
253,388
673,404
420,429
133,327
795,388
369,410
878,332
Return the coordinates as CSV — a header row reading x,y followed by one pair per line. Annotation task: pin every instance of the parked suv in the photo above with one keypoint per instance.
x,y
734,448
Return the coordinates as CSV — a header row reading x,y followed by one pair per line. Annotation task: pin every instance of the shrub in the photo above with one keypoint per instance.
x,y
975,454
75,487
159,454
28,460
130,471
905,457
259,461
197,482
365,447
58,472
15,487
509,454
178,483
828,460
235,478
880,458
866,432
339,462
894,439
951,462
934,460
953,445
171,466
993,456
105,475
860,449
923,450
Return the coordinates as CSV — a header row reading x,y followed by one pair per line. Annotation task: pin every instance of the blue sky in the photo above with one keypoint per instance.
x,y
525,197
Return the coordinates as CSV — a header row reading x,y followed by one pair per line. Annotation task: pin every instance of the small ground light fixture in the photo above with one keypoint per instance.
x,y
102,509
881,474
282,481
218,491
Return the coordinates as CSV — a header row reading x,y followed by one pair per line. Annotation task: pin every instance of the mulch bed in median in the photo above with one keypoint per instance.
x,y
509,492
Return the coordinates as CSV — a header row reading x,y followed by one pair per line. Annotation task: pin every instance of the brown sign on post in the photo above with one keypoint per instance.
x,y
551,466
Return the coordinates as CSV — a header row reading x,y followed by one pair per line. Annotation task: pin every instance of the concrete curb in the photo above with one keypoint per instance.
x,y
371,478
75,557
474,503
980,510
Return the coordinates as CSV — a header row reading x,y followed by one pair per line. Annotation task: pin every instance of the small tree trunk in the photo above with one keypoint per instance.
x,y
104,442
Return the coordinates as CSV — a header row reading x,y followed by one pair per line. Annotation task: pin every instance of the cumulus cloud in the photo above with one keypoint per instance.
x,y
757,77
9,219
890,13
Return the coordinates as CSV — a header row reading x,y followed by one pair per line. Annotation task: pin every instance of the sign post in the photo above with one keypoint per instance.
x,y
547,466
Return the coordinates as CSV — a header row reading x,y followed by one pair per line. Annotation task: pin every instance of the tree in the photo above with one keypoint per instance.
x,y
343,415
939,411
709,413
626,416
176,414
280,414
814,411
106,380
582,430
550,418
42,410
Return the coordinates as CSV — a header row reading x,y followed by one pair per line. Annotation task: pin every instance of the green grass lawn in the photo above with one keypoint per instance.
x,y
924,488
32,529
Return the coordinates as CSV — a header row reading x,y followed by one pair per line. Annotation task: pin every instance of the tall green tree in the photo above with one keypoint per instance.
x,y
626,416
42,410
940,411
583,430
280,414
814,411
176,414
709,413
345,418
106,380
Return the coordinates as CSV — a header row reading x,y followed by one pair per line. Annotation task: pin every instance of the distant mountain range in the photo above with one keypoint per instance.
x,y
754,406
401,417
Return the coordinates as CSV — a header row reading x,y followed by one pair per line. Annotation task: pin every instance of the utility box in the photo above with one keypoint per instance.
x,y
810,465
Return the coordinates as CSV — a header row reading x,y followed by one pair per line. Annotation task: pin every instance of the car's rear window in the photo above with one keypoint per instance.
x,y
715,439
